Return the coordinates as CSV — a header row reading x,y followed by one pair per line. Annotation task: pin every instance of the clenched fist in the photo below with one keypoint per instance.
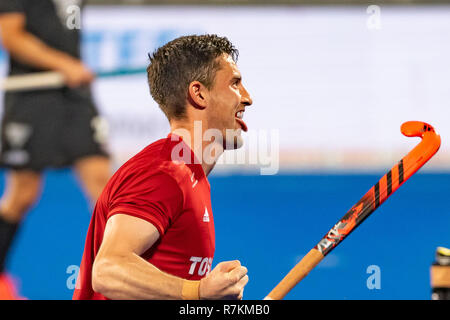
x,y
226,281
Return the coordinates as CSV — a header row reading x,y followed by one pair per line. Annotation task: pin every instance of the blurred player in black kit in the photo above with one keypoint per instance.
x,y
45,128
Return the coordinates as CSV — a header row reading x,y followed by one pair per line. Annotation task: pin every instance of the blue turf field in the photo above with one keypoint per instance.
x,y
269,223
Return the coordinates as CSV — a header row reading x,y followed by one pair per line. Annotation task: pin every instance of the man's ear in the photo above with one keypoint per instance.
x,y
198,95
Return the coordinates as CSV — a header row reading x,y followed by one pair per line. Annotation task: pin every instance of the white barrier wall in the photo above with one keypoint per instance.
x,y
335,83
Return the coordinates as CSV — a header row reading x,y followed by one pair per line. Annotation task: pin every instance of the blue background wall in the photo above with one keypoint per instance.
x,y
269,223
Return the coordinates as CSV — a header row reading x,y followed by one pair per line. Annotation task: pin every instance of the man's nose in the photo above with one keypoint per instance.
x,y
246,99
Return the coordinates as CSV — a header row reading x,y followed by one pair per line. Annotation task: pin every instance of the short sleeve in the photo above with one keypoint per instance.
x,y
7,6
156,198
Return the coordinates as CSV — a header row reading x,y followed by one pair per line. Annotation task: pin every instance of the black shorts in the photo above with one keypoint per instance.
x,y
50,128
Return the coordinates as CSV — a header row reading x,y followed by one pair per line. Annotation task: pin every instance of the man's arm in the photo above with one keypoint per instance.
x,y
28,49
120,273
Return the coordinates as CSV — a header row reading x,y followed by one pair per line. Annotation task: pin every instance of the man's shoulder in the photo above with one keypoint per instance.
x,y
154,162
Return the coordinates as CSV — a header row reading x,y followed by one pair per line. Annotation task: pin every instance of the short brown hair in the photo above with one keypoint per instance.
x,y
181,61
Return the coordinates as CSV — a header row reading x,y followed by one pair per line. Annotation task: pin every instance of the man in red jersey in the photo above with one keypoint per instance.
x,y
152,232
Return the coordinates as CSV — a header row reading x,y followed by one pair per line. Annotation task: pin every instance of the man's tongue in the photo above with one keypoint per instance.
x,y
242,124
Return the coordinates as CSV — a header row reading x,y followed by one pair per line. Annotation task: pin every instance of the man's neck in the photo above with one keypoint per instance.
x,y
192,135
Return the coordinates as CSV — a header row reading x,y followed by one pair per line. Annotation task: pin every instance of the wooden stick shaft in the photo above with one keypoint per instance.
x,y
294,276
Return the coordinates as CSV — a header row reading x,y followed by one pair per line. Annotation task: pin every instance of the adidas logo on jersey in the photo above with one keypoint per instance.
x,y
206,216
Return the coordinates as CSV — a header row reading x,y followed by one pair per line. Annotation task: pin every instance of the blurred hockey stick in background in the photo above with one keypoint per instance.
x,y
52,79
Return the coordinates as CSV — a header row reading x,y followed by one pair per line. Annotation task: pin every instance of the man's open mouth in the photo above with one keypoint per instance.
x,y
239,116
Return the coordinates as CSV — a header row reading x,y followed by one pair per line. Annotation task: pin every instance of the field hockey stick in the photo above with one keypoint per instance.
x,y
386,186
53,79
